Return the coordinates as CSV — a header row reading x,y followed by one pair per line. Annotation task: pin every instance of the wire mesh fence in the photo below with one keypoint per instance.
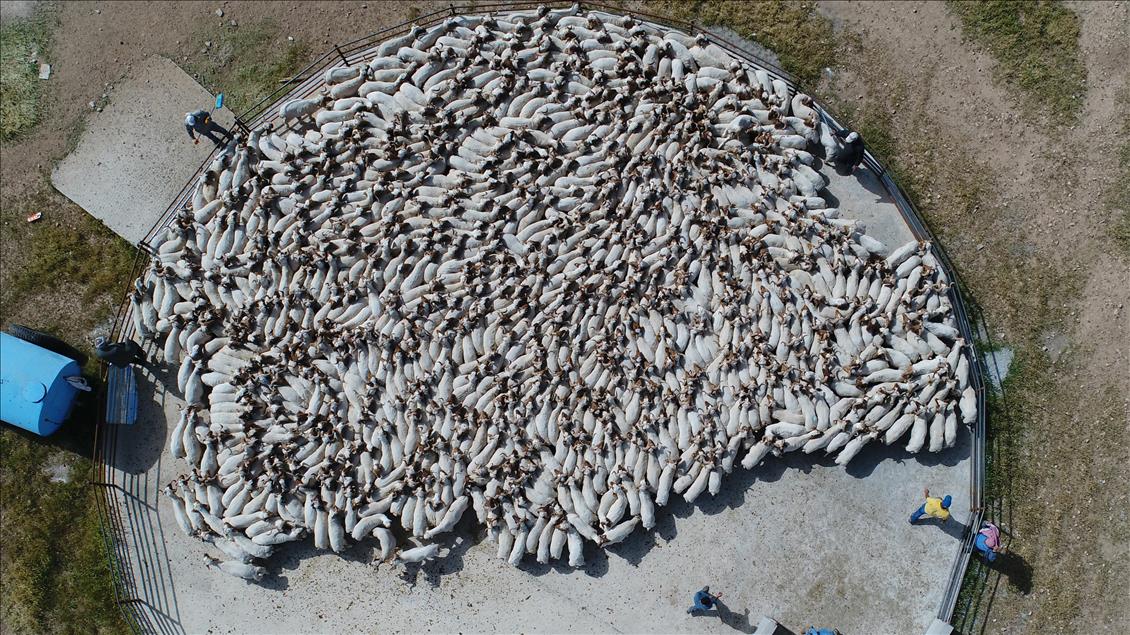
x,y
130,596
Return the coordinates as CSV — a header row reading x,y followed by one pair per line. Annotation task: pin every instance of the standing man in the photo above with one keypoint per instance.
x,y
933,507
704,600
120,354
202,123
850,155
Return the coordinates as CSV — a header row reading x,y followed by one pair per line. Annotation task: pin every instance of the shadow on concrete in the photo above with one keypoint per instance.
x,y
953,528
147,437
133,455
732,496
737,621
831,200
450,558
289,556
148,555
870,182
877,452
146,450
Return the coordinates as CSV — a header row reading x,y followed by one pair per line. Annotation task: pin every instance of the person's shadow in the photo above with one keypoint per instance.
x,y
737,621
952,527
1016,569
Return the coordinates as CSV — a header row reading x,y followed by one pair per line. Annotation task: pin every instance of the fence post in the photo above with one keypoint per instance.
x,y
342,55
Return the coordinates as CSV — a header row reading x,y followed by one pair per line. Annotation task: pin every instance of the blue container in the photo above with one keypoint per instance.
x,y
34,392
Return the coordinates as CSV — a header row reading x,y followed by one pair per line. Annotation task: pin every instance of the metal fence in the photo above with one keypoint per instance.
x,y
130,597
977,461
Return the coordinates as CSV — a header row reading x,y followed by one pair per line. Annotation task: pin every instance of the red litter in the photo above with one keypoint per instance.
x,y
34,217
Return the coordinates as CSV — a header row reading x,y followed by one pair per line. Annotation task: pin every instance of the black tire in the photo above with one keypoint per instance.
x,y
50,342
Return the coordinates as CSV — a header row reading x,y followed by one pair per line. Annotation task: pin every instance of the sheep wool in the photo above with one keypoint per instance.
x,y
545,268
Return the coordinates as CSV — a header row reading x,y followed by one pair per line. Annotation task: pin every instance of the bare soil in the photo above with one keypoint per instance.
x,y
96,44
1036,252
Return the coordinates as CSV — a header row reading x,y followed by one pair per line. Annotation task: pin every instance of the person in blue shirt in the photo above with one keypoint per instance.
x,y
201,122
988,541
704,600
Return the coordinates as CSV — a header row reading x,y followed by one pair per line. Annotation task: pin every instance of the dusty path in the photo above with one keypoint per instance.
x,y
1035,252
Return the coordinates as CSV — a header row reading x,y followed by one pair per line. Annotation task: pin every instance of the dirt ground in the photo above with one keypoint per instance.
x,y
97,43
1042,210
1040,228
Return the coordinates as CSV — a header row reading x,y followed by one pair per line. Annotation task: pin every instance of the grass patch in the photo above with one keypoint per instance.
x,y
1036,45
67,248
245,62
23,45
802,39
63,274
54,563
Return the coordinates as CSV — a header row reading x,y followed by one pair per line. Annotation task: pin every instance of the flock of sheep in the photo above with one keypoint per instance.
x,y
546,269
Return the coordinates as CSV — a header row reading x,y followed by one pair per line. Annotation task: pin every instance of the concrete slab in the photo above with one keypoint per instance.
x,y
134,157
862,196
802,542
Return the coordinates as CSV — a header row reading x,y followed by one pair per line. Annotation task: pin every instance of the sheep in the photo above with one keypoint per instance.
x,y
557,285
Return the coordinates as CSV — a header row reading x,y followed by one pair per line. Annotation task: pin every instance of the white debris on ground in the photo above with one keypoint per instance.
x,y
998,362
549,267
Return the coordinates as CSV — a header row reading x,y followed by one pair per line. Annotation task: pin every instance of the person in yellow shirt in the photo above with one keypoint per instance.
x,y
933,507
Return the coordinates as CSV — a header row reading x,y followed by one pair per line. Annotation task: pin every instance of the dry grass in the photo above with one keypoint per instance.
x,y
793,30
67,254
56,575
64,275
1036,45
23,45
245,62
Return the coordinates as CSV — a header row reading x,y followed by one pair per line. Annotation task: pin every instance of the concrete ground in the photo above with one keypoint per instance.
x,y
797,539
135,156
862,196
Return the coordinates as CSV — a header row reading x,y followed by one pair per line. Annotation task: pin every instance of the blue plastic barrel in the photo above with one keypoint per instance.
x,y
34,392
